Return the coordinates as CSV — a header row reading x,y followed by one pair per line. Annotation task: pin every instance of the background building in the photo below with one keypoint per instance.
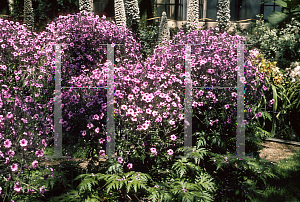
x,y
241,11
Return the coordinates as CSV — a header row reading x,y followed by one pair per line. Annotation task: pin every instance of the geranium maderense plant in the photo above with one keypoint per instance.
x,y
83,57
160,88
43,45
142,87
23,119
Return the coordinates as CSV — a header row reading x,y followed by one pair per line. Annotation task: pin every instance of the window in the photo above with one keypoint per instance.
x,y
173,8
244,9
268,8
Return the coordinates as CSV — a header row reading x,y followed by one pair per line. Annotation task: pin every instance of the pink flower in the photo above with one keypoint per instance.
x,y
129,166
153,150
130,97
17,187
30,191
10,153
124,107
154,113
9,115
44,142
1,154
173,137
97,130
171,122
120,160
102,153
39,153
35,164
226,106
23,143
108,138
7,143
101,140
148,111
83,133
0,190
14,167
170,152
96,117
259,114
210,71
42,190
90,125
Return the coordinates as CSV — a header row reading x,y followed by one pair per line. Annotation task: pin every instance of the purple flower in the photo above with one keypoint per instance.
x,y
129,166
120,160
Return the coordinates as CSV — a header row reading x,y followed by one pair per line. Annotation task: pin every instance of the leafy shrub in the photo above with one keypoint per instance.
x,y
281,45
148,38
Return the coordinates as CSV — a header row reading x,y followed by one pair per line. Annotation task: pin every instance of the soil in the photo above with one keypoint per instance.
x,y
274,151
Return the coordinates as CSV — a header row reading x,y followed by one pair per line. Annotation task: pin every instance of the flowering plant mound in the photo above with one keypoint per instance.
x,y
84,64
23,118
157,102
37,51
148,95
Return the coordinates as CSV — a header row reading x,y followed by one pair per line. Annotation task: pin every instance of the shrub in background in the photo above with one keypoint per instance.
x,y
120,15
44,11
164,32
148,38
290,9
281,45
85,5
223,15
132,14
83,58
193,15
28,14
170,178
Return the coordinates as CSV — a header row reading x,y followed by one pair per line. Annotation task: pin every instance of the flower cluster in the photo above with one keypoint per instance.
x,y
294,74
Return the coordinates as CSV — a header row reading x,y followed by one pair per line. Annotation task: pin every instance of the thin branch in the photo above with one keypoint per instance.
x,y
34,189
137,197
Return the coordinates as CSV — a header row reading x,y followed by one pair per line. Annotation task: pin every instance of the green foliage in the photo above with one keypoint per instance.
x,y
45,11
148,40
290,9
281,45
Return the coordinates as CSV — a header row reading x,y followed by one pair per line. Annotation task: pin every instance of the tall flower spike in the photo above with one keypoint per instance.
x,y
28,14
85,5
193,15
120,15
164,32
132,12
223,15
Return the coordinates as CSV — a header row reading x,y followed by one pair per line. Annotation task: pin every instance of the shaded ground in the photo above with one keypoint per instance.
x,y
272,151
